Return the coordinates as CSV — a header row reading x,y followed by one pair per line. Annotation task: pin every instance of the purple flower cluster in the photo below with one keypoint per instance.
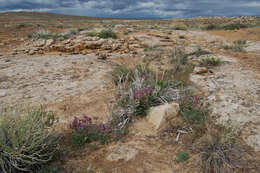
x,y
89,127
192,101
143,95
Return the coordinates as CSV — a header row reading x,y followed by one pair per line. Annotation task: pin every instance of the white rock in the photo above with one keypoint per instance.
x,y
160,115
3,93
123,152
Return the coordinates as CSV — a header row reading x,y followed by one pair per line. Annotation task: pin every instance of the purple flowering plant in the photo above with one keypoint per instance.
x,y
143,99
192,109
87,129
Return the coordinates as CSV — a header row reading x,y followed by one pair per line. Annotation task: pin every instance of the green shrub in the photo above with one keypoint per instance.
x,y
182,156
107,34
20,26
181,37
212,27
235,47
234,26
27,141
92,34
180,26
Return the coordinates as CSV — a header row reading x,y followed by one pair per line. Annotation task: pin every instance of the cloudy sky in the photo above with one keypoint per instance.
x,y
137,8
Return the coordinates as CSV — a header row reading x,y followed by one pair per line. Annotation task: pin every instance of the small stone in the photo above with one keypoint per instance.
x,y
160,115
102,56
3,93
31,52
49,42
200,70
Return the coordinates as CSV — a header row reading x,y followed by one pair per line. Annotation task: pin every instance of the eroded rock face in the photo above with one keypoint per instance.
x,y
160,115
234,98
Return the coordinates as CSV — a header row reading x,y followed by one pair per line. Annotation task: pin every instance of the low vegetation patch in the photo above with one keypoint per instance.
x,y
182,156
139,89
180,26
27,141
238,46
45,34
86,130
231,26
210,61
107,34
150,48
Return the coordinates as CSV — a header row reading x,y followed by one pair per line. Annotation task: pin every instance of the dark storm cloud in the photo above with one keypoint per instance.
x,y
138,8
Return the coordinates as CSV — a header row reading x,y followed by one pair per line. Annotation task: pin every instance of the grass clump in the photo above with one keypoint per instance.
x,y
210,61
107,33
182,156
27,141
121,74
87,130
150,48
220,152
238,46
179,59
92,34
180,26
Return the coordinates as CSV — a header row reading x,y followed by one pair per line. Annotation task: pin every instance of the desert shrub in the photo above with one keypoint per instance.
x,y
27,141
236,47
181,37
234,26
86,130
107,34
92,34
127,32
182,156
20,26
220,153
60,26
231,26
212,27
210,61
180,26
